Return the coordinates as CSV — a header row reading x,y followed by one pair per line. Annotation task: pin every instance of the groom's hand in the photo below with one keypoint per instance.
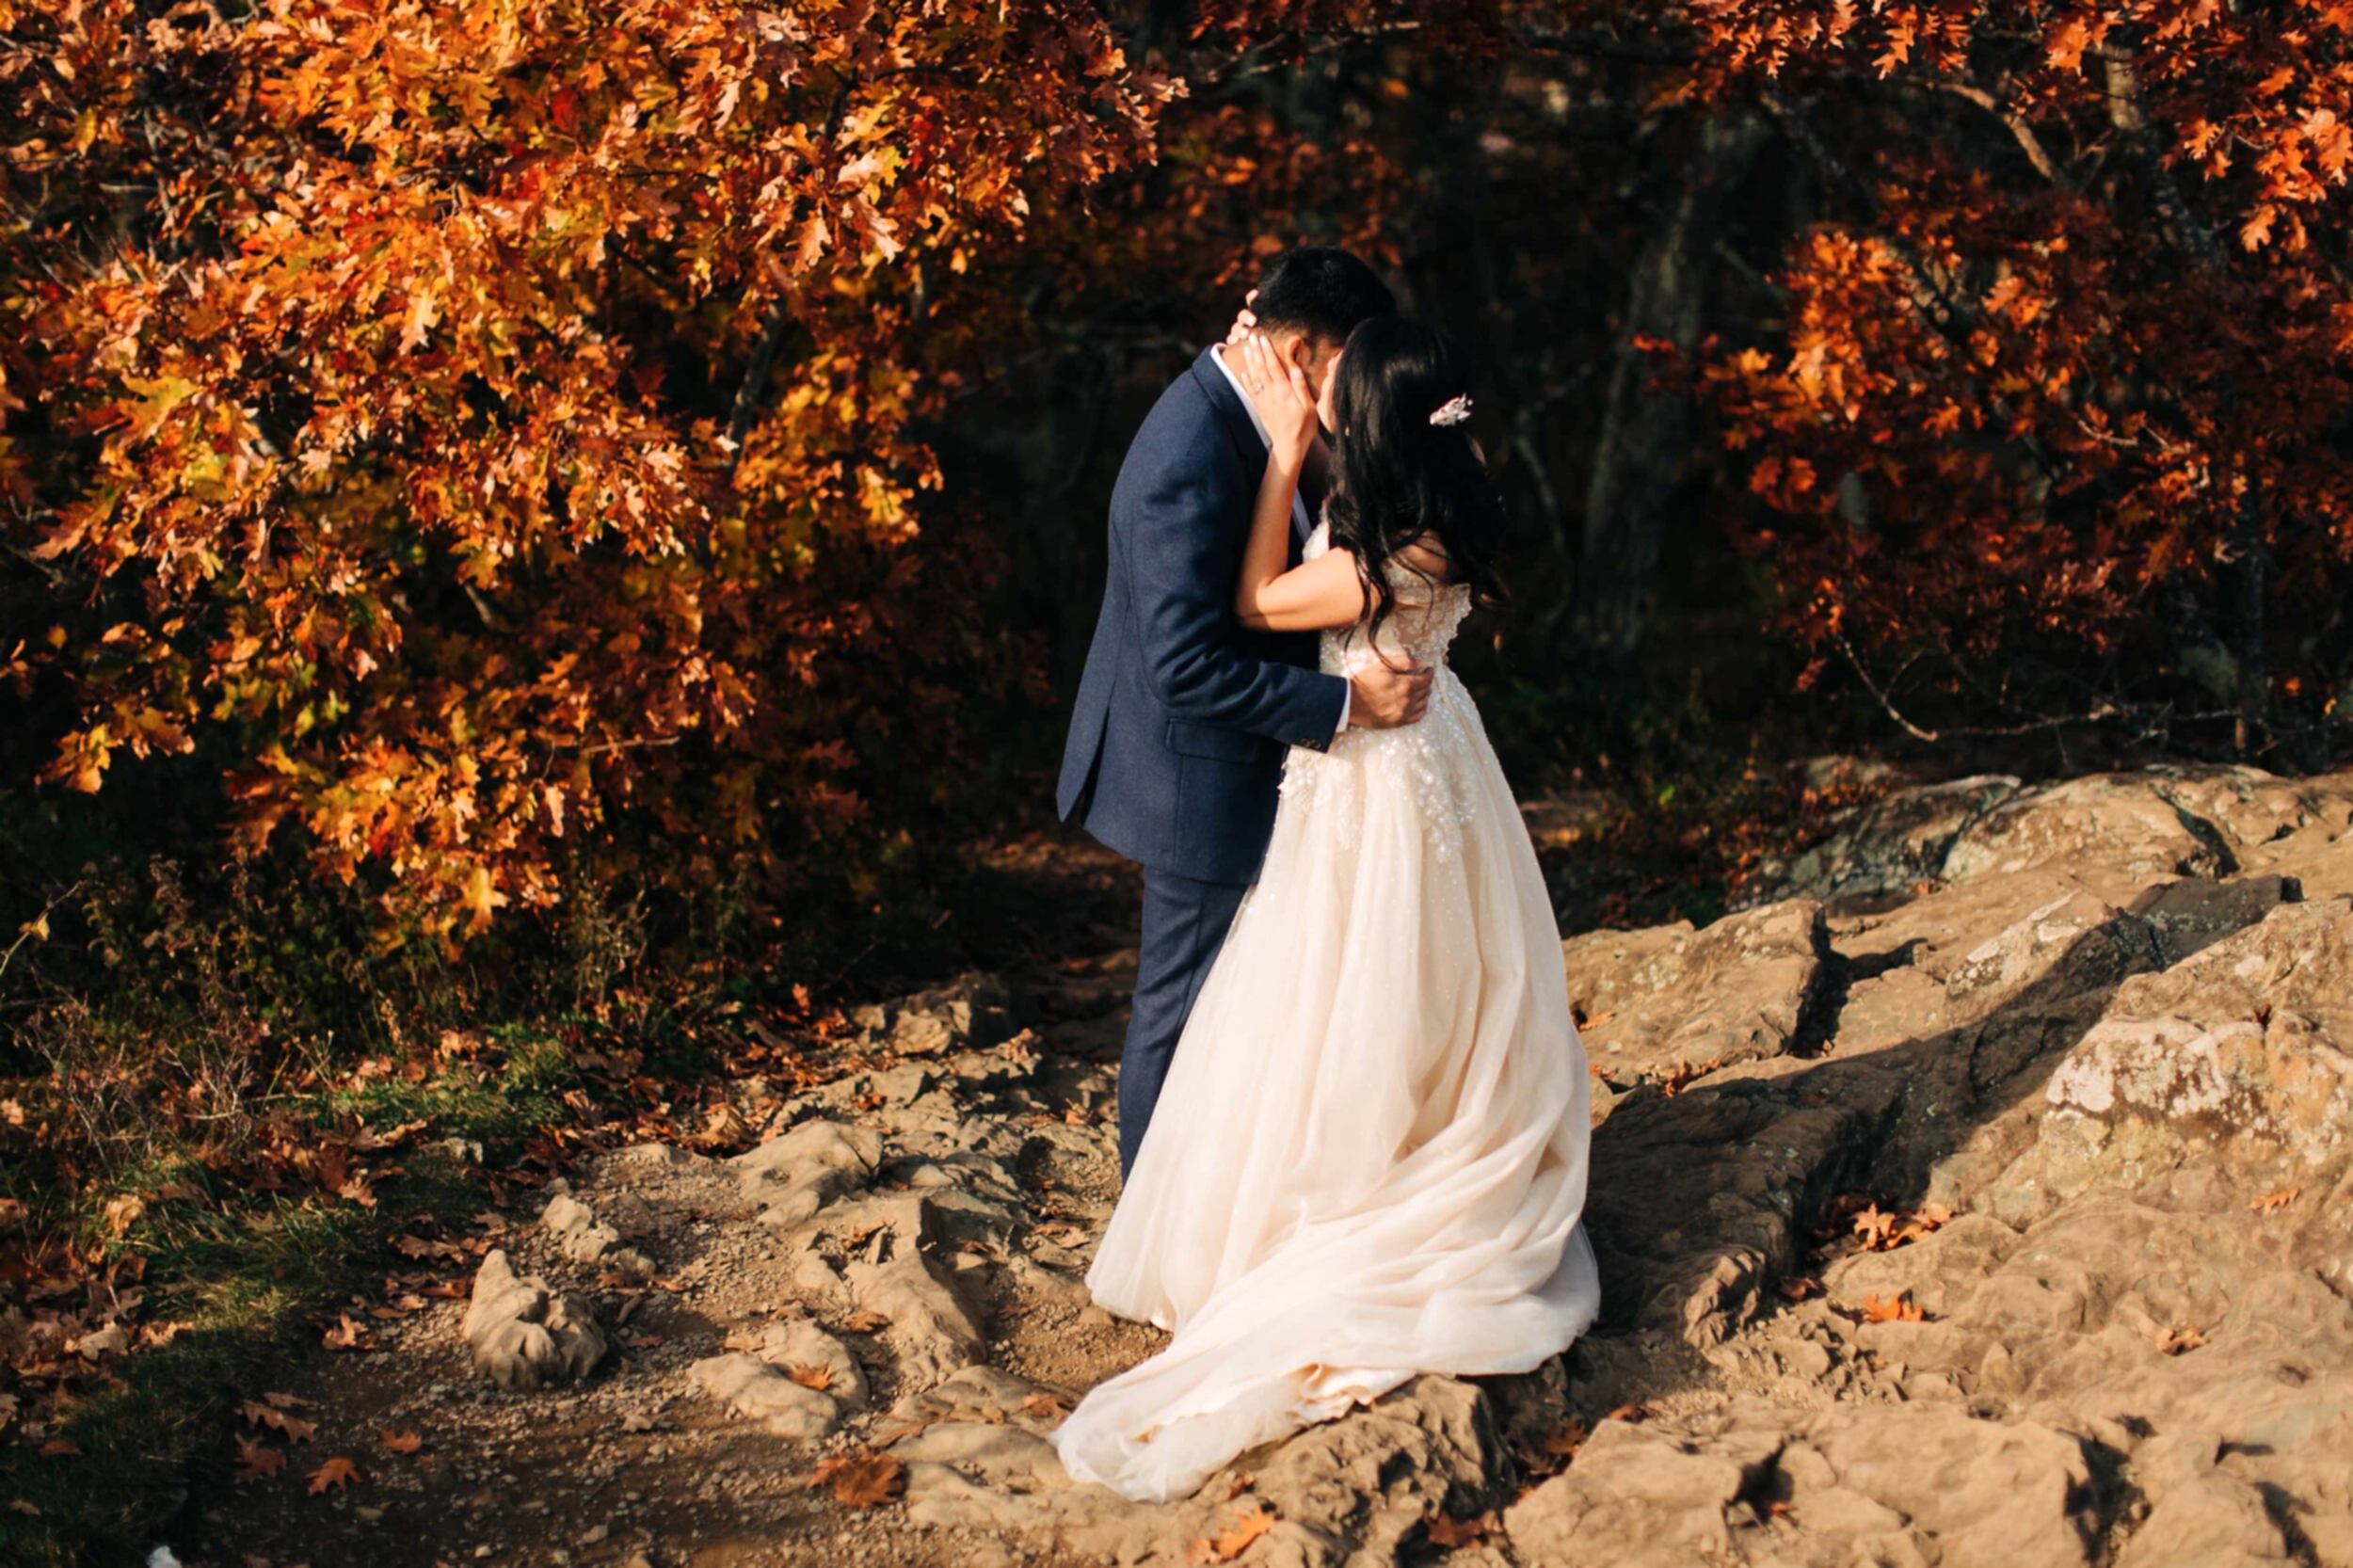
x,y
1383,698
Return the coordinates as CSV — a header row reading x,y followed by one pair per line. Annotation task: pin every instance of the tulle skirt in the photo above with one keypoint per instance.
x,y
1369,1157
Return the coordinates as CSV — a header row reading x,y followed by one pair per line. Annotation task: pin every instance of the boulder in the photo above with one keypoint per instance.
x,y
1747,987
586,1240
971,1012
795,1175
2242,1053
2119,831
1374,1479
753,1389
1897,842
526,1335
1635,1497
797,1345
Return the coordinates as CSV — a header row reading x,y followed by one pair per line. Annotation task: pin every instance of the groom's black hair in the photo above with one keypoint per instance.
x,y
1320,290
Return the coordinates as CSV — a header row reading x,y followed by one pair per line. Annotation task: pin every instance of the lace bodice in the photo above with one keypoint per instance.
x,y
1421,626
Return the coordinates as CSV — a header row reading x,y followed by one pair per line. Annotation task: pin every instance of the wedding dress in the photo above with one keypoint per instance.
x,y
1369,1157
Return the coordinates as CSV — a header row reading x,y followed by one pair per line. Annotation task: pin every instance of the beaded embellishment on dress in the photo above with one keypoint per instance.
x,y
1420,628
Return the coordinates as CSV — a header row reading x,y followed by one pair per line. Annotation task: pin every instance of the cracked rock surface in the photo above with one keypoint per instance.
x,y
1981,1200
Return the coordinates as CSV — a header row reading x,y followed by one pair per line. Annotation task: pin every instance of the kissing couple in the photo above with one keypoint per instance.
x,y
1352,1101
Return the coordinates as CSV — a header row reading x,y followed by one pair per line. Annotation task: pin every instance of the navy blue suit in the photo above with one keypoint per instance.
x,y
1175,749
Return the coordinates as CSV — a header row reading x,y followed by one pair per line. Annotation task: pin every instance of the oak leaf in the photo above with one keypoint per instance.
x,y
294,1427
1231,1542
336,1473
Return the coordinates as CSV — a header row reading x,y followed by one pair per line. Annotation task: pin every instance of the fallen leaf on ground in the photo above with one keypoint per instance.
x,y
1875,1226
401,1442
347,1335
334,1473
819,1378
2272,1201
1897,1309
863,1480
1447,1531
257,1461
1673,1080
294,1427
1235,1539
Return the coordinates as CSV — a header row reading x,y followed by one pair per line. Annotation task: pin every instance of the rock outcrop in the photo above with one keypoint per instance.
x,y
1977,1198
2089,1064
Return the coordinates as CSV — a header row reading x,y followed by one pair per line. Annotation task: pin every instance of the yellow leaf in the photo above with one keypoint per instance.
x,y
481,898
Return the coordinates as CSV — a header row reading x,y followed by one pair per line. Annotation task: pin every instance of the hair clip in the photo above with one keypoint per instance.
x,y
1454,410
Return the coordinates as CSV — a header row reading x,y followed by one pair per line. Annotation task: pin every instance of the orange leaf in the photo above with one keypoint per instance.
x,y
1052,1407
1875,1226
335,1473
2271,1202
1897,1309
1451,1532
400,1442
862,1479
1235,1540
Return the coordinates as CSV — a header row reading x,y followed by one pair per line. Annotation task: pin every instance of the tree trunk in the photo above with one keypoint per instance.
x,y
2246,582
1644,433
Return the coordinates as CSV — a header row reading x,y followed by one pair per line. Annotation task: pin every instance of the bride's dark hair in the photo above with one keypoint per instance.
x,y
1402,479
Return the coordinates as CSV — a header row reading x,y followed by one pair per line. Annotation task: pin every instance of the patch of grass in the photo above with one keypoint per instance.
x,y
240,1281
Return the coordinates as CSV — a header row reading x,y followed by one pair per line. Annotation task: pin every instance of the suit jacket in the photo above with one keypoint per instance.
x,y
1176,748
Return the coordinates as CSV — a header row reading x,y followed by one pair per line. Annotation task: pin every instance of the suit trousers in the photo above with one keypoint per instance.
x,y
1185,922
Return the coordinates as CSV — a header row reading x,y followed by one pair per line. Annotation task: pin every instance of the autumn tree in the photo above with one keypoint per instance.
x,y
2012,340
475,429
506,436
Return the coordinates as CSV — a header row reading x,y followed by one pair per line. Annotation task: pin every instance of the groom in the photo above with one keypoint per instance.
x,y
1176,748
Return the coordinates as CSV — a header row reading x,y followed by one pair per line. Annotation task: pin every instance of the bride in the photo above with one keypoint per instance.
x,y
1369,1159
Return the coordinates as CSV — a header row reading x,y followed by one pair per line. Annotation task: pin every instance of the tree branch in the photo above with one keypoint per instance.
x,y
2027,142
780,319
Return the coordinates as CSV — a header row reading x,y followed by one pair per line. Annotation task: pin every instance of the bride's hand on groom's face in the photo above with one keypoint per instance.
x,y
1244,319
1278,390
